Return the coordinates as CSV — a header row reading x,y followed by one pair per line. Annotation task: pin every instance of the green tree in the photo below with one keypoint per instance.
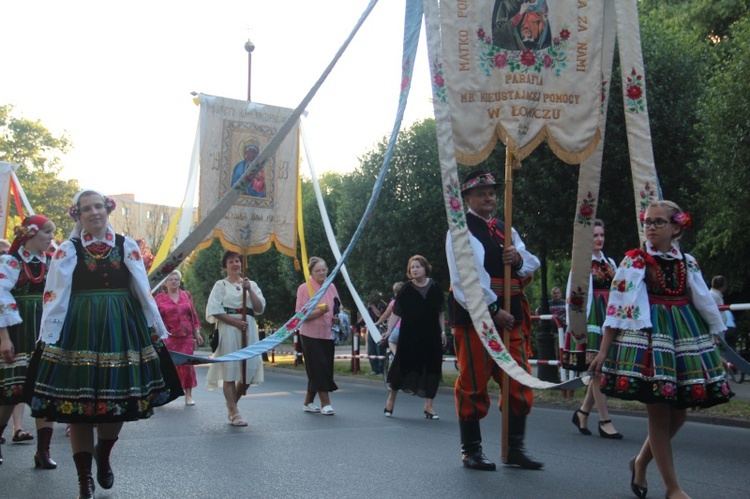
x,y
409,217
723,242
38,151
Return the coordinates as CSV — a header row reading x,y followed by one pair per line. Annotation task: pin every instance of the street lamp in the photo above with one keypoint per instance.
x,y
249,46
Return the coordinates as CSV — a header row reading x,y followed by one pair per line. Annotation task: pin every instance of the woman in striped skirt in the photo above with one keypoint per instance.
x,y
102,361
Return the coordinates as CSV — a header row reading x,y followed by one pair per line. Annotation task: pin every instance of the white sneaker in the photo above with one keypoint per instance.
x,y
311,408
327,410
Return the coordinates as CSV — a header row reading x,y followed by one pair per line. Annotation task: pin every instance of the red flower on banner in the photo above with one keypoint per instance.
x,y
439,80
495,346
481,33
528,58
292,325
565,34
634,92
501,60
547,60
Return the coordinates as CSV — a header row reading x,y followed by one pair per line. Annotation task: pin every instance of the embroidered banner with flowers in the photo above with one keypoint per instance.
x,y
520,71
233,132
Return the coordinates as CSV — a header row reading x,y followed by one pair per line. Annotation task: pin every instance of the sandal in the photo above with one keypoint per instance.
x,y
21,436
237,420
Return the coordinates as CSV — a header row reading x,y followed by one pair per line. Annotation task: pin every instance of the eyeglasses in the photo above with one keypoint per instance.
x,y
659,223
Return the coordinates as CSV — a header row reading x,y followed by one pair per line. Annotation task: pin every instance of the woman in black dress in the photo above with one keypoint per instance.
x,y
417,367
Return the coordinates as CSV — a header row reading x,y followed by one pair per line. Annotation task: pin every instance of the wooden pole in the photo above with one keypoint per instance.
x,y
243,363
509,160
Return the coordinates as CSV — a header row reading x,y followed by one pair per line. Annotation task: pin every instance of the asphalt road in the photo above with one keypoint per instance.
x,y
191,452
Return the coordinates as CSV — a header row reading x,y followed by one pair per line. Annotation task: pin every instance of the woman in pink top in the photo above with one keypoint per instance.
x,y
178,313
317,344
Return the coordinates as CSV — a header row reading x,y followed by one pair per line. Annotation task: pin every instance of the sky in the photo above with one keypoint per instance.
x,y
117,77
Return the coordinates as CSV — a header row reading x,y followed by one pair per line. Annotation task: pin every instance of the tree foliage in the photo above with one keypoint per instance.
x,y
38,151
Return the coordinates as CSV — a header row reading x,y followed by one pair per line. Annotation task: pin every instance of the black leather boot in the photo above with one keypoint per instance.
x,y
104,474
41,458
471,447
516,455
86,485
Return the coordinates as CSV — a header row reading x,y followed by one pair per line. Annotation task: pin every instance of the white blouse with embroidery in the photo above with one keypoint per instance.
x,y
628,306
60,279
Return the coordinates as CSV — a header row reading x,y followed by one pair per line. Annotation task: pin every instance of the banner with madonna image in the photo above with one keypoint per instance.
x,y
522,71
232,134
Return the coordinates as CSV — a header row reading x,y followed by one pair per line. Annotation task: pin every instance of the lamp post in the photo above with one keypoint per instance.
x,y
249,47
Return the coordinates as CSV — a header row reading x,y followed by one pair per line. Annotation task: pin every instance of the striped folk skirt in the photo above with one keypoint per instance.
x,y
673,362
23,336
105,367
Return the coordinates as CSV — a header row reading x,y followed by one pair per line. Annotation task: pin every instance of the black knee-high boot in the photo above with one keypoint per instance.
x,y
516,455
471,447
86,485
42,458
104,474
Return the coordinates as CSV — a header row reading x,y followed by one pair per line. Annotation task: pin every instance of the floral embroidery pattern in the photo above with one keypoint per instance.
x,y
622,286
455,205
586,211
605,92
624,312
490,336
634,92
405,74
647,195
438,81
523,61
576,300
49,296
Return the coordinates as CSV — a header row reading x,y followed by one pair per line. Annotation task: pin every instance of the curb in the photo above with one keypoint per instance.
x,y
692,416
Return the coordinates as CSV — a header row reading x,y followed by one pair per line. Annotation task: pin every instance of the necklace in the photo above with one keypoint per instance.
x,y
30,274
98,252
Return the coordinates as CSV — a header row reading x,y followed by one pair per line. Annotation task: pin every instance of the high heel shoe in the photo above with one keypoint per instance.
x,y
613,436
430,415
387,412
637,489
577,422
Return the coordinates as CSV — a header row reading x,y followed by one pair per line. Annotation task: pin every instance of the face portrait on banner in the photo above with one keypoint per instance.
x,y
233,135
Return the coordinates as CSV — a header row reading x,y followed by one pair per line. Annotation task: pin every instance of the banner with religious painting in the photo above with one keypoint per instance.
x,y
232,134
521,71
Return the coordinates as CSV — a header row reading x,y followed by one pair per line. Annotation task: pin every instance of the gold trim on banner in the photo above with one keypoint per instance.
x,y
572,158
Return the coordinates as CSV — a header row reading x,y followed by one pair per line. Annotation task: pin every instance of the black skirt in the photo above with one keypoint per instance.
x,y
319,364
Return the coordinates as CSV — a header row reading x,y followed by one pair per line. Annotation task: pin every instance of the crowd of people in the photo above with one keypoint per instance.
x,y
83,342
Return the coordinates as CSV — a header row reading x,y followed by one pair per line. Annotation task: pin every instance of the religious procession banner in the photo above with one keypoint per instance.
x,y
232,135
521,71
6,170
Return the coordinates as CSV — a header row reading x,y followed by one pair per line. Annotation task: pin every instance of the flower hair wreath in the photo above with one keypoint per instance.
x,y
75,212
22,230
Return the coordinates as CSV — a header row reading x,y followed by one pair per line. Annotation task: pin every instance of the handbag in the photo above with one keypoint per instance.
x,y
213,340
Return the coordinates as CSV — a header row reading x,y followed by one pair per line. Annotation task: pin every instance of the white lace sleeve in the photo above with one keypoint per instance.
x,y
57,291
10,269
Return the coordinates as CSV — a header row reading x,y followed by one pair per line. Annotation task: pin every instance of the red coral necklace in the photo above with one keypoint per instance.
x,y
30,274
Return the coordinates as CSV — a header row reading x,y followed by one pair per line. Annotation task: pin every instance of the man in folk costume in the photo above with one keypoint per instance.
x,y
476,367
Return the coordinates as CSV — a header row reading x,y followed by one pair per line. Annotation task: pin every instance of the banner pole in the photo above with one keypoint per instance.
x,y
508,213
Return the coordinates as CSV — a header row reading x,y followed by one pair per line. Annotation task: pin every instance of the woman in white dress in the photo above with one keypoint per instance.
x,y
224,308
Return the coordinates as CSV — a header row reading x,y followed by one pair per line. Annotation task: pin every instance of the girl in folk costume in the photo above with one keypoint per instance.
x,y
22,274
658,346
101,361
577,357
